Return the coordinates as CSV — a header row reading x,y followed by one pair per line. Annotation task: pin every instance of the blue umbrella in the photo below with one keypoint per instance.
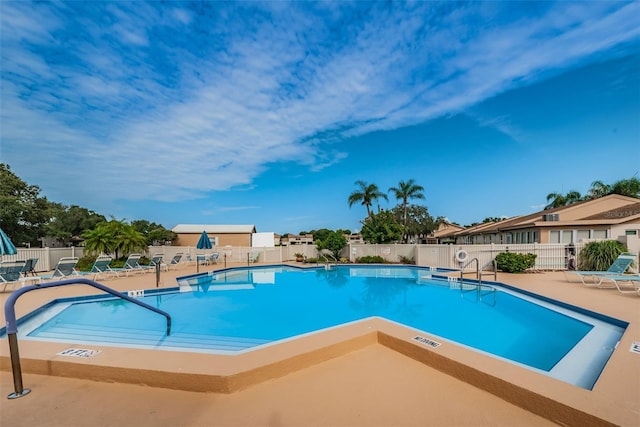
x,y
6,247
204,242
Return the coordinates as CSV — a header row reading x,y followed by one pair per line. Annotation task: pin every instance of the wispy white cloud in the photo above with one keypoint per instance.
x,y
236,208
121,94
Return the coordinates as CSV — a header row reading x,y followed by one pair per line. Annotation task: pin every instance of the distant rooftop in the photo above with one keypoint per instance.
x,y
213,228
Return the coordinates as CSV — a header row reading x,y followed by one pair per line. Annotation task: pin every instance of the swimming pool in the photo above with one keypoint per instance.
x,y
241,309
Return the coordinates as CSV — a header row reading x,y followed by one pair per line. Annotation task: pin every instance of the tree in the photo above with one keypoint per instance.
x,y
100,240
405,191
319,235
69,221
334,241
366,194
598,189
23,213
418,221
492,219
627,187
130,240
557,199
381,228
155,234
114,237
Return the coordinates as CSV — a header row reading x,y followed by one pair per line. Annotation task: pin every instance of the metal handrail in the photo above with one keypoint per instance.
x,y
328,255
12,324
479,272
462,267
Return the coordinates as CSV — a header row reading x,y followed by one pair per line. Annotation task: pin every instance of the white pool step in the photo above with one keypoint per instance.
x,y
133,336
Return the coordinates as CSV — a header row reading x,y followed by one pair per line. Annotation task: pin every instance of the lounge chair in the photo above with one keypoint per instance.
x,y
202,259
214,257
101,266
254,256
619,266
30,267
632,279
131,265
10,272
155,260
174,261
66,267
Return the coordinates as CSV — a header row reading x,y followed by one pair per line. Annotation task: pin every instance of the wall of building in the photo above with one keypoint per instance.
x,y
230,239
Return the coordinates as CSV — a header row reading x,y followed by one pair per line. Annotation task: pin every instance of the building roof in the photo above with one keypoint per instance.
x,y
213,228
611,209
446,229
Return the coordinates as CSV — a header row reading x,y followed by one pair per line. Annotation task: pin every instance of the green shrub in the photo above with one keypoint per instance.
x,y
86,263
511,262
406,260
375,259
598,256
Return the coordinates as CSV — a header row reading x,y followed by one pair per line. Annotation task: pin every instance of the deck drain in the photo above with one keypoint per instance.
x,y
426,341
78,352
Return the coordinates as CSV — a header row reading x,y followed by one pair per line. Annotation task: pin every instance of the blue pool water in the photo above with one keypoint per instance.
x,y
239,309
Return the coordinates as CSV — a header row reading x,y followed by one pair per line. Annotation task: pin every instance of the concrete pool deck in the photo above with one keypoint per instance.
x,y
368,373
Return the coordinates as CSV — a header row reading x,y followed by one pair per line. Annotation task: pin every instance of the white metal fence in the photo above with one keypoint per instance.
x,y
549,256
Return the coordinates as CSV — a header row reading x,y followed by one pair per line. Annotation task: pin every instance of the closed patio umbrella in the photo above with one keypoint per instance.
x,y
203,243
6,247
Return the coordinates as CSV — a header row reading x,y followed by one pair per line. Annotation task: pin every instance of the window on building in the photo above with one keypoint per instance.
x,y
599,234
630,232
582,235
554,236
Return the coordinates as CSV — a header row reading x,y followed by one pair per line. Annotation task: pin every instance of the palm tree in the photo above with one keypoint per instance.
x,y
365,195
627,187
130,240
405,191
557,199
598,189
99,240
573,197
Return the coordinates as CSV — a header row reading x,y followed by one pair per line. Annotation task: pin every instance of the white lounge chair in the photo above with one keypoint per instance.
x,y
177,258
10,273
615,280
65,268
101,267
619,266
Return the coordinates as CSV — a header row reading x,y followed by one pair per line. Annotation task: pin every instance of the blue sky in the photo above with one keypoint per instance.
x,y
267,113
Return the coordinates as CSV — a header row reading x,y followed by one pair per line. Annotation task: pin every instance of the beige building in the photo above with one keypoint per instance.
x,y
220,235
294,239
611,217
444,234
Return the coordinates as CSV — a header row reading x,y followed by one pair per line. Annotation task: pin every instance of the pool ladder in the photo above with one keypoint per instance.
x,y
327,257
480,272
481,291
